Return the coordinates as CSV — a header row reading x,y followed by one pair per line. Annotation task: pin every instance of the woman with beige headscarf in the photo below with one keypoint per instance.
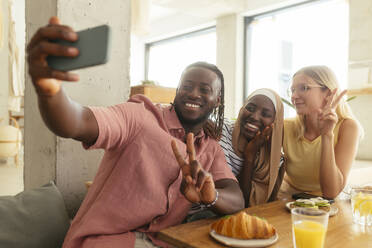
x,y
252,146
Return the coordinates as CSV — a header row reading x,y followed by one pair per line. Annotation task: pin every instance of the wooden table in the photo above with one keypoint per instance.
x,y
342,232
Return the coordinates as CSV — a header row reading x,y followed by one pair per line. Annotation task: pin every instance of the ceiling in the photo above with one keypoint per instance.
x,y
199,8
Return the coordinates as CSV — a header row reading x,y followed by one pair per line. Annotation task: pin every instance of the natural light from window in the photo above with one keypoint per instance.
x,y
282,43
168,59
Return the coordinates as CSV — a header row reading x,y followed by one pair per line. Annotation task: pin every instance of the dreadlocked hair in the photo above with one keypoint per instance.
x,y
217,115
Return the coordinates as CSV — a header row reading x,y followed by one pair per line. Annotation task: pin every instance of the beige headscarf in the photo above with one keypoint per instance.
x,y
267,177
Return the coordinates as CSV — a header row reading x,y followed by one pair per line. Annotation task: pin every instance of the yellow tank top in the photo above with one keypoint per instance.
x,y
303,157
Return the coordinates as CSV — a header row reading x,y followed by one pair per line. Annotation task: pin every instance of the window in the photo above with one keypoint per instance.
x,y
281,42
166,59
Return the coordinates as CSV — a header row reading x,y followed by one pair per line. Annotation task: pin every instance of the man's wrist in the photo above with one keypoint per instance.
x,y
208,205
47,89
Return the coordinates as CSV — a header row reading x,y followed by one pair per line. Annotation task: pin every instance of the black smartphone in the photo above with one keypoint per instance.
x,y
94,48
304,195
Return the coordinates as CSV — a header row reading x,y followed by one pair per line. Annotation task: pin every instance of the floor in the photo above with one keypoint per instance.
x,y
11,176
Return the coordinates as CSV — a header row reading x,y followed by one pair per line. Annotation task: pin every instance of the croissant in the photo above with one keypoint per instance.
x,y
243,226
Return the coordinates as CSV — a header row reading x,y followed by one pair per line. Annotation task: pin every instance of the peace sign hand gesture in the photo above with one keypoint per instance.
x,y
197,184
327,117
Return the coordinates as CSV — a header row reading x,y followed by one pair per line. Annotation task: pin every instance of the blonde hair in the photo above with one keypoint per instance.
x,y
324,76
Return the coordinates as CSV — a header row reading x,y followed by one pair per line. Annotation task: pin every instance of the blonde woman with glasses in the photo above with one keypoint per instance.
x,y
320,143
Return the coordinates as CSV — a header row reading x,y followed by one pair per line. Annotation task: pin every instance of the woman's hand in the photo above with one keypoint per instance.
x,y
46,80
327,117
197,184
254,145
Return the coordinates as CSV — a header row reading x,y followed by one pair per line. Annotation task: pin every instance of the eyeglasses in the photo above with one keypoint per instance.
x,y
302,89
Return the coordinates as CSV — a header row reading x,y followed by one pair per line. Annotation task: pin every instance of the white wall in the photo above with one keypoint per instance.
x,y
230,58
137,60
20,26
48,157
4,71
40,143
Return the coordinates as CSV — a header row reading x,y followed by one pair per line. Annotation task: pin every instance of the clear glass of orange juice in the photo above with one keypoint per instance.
x,y
361,205
309,227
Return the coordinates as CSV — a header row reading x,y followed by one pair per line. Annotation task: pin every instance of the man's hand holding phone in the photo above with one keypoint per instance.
x,y
47,81
52,52
56,49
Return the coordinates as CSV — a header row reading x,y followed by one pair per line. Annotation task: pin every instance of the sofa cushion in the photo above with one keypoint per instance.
x,y
34,218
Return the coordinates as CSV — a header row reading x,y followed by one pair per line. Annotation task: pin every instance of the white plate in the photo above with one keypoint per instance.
x,y
231,242
332,211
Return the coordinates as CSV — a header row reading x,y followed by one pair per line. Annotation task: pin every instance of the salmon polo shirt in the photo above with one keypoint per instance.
x,y
137,186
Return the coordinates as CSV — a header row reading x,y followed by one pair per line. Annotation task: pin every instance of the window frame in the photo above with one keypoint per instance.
x,y
148,45
248,34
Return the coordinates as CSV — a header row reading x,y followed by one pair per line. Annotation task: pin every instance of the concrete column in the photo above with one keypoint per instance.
x,y
360,68
230,30
48,157
4,56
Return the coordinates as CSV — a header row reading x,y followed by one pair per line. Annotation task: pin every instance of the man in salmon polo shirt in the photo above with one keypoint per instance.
x,y
153,168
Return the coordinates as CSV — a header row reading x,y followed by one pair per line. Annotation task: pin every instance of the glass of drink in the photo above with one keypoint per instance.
x,y
361,205
309,227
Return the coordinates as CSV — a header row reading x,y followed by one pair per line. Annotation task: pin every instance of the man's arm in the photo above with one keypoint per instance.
x,y
67,118
62,116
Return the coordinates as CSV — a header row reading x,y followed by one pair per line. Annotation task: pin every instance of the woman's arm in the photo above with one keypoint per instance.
x,y
250,155
245,175
337,161
278,183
